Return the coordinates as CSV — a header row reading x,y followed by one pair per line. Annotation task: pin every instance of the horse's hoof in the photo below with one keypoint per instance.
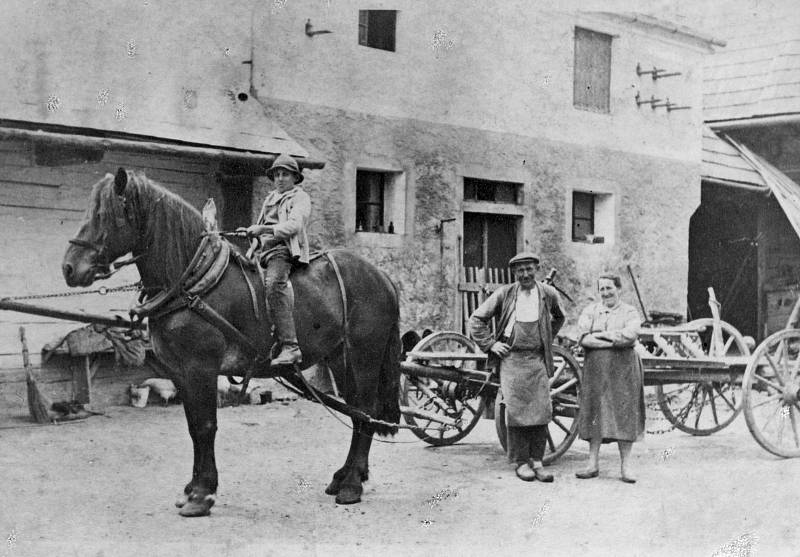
x,y
181,501
197,505
333,488
348,496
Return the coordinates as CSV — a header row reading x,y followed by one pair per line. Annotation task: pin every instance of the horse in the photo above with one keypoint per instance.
x,y
129,213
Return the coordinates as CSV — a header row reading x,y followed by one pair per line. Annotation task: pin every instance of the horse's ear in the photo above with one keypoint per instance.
x,y
120,181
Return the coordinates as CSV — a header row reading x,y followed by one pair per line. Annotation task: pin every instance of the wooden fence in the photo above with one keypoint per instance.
x,y
475,285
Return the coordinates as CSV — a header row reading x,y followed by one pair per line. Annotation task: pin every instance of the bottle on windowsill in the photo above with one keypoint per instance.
x,y
391,227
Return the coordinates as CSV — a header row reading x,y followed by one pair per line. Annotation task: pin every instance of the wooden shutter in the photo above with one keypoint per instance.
x,y
592,79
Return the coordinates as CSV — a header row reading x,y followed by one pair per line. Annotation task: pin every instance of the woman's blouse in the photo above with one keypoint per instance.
x,y
622,322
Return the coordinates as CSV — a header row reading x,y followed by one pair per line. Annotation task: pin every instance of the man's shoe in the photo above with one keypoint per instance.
x,y
587,474
289,356
542,476
526,473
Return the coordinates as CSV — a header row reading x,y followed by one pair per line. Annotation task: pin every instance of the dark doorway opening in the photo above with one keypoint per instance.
x,y
489,240
723,254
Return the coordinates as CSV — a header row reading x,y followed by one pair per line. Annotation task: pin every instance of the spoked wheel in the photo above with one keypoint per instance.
x,y
705,407
463,404
565,388
771,392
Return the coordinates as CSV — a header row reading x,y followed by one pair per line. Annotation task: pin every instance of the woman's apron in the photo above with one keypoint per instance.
x,y
524,379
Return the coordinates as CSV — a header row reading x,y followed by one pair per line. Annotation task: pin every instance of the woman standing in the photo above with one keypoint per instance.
x,y
612,387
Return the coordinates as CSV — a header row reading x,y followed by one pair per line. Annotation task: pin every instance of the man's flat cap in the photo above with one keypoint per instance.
x,y
523,257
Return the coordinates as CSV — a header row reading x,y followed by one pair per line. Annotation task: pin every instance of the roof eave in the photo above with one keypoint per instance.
x,y
148,145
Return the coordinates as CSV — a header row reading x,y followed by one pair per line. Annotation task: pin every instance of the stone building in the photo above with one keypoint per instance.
x,y
451,135
576,135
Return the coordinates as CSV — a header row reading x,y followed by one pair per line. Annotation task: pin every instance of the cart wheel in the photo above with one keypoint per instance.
x,y
704,407
443,398
771,392
565,388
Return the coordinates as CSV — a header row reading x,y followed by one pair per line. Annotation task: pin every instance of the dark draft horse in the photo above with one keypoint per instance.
x,y
130,213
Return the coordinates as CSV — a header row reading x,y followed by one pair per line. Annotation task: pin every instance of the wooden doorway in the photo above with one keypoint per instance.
x,y
490,240
723,254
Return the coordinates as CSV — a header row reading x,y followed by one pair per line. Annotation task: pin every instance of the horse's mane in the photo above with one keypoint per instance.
x,y
170,228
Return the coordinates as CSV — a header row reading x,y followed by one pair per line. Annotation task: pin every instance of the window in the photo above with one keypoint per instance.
x,y
376,28
380,202
593,217
489,240
592,78
492,191
582,215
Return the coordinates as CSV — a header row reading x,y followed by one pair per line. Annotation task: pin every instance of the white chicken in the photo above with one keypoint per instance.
x,y
163,387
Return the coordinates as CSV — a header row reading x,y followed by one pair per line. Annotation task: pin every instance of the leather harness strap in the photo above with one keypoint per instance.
x,y
345,322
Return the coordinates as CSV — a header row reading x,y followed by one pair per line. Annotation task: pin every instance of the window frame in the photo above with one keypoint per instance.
x,y
590,219
482,185
362,179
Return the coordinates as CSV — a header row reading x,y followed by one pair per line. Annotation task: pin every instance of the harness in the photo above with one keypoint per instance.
x,y
202,275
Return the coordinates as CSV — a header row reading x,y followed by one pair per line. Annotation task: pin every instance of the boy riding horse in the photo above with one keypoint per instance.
x,y
281,228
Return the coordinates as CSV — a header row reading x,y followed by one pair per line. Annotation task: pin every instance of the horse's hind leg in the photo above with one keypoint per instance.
x,y
350,486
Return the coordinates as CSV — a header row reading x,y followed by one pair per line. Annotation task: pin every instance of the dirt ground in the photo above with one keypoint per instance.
x,y
106,486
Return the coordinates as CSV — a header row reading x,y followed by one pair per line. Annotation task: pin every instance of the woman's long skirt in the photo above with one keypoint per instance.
x,y
612,396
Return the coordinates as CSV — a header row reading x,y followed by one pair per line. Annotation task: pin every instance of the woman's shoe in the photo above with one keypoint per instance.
x,y
627,479
525,472
542,476
586,475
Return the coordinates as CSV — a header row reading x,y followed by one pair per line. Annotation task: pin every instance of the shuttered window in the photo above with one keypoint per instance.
x,y
592,79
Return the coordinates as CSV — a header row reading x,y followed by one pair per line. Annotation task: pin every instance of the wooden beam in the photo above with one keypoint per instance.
x,y
147,146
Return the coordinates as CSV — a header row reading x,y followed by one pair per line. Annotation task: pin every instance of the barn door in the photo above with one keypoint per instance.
x,y
489,242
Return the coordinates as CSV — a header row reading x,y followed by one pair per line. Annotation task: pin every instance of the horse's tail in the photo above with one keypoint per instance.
x,y
389,384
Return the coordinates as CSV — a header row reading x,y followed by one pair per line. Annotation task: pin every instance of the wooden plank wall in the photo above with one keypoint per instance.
x,y
782,268
41,207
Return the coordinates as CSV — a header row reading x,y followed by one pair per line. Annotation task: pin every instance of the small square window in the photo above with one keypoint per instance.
x,y
592,71
593,217
582,215
491,190
380,202
376,28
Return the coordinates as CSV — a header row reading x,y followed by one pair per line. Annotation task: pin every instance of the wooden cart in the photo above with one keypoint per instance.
x,y
446,389
703,373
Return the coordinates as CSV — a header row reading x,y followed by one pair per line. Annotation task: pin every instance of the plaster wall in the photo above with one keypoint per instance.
x,y
504,70
653,199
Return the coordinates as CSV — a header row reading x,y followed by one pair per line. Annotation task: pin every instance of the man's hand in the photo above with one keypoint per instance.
x,y
500,348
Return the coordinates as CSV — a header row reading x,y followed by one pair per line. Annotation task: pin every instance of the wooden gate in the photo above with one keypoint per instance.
x,y
475,285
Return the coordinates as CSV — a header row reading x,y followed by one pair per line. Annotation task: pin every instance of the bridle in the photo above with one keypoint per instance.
x,y
108,268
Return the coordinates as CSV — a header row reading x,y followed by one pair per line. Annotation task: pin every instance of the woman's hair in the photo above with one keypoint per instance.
x,y
612,277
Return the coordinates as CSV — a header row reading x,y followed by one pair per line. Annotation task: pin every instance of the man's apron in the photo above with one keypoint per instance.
x,y
524,380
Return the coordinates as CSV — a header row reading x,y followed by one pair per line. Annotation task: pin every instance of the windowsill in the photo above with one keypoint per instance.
x,y
592,109
596,240
378,239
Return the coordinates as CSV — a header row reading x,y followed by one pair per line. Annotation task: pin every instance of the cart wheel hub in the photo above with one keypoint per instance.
x,y
790,394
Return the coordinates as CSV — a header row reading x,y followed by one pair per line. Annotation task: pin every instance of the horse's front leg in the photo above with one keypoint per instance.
x,y
200,405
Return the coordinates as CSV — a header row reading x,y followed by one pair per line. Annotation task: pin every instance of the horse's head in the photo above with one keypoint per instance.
x,y
109,230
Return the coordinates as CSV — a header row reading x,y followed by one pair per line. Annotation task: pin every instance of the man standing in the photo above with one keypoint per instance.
x,y
281,227
528,315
